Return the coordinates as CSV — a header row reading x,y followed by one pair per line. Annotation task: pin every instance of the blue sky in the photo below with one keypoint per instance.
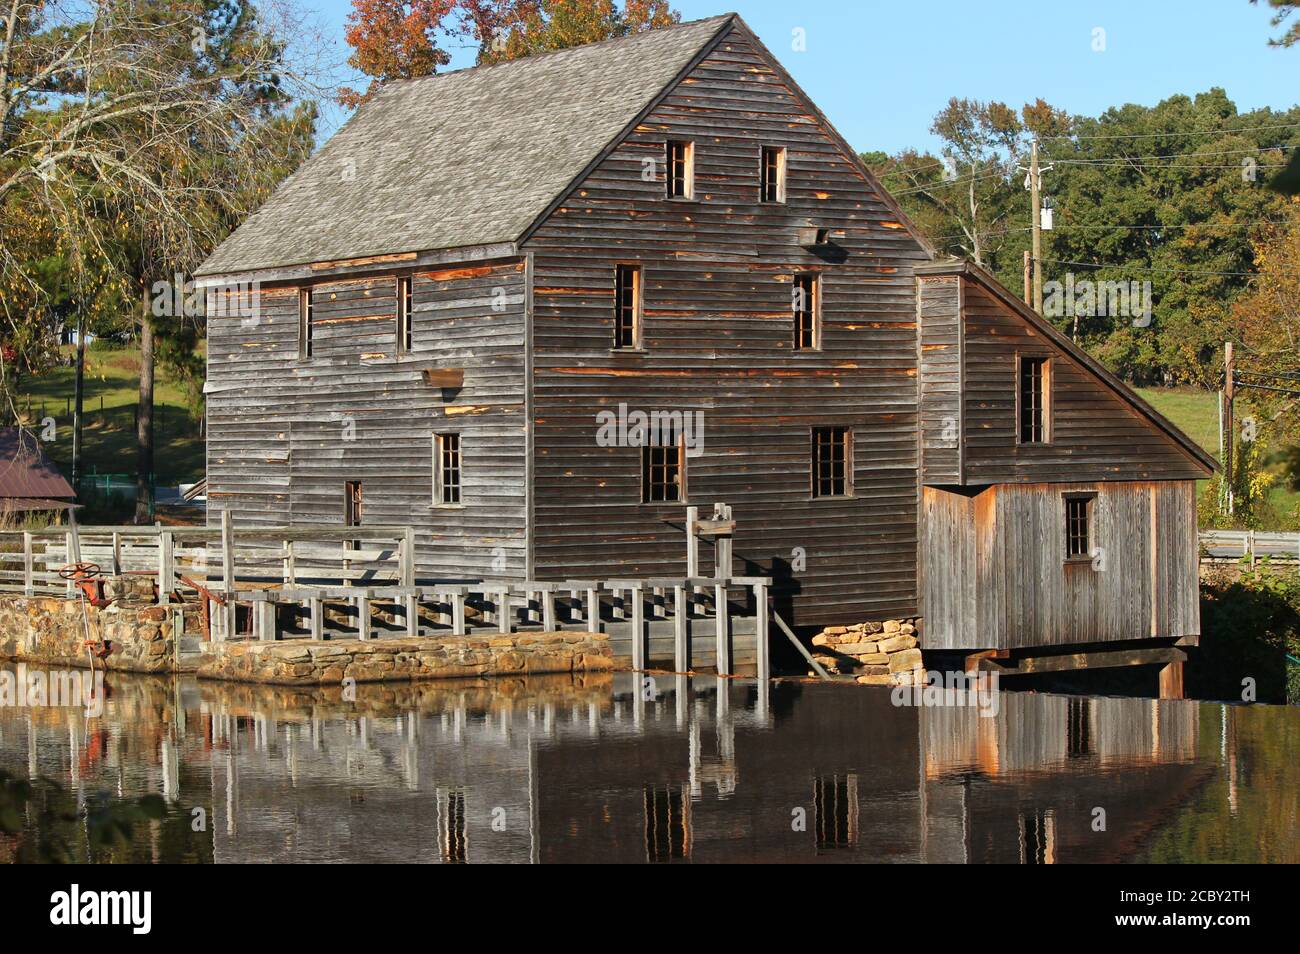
x,y
881,70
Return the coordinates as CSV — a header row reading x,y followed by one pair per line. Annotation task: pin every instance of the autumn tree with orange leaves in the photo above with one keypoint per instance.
x,y
402,39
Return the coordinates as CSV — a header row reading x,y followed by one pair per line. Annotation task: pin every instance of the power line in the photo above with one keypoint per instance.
x,y
1144,268
1198,132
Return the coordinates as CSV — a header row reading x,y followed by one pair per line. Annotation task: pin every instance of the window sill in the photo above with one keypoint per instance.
x,y
683,199
628,351
447,506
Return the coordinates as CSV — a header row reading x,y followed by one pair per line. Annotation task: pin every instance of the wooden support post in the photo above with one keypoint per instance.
x,y
638,630
458,613
548,610
722,647
658,607
263,620
593,611
692,542
761,632
363,615
407,569
681,629
166,566
228,570
316,606
117,553
29,569
412,602
1171,681
502,606
290,565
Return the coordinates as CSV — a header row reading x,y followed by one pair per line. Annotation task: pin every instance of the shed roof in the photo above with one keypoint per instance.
x,y
26,473
461,159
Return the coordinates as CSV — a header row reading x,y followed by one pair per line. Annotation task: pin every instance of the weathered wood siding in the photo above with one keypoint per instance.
x,y
718,338
285,433
995,576
1094,434
939,303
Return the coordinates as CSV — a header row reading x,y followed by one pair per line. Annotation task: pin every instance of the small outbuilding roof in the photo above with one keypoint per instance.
x,y
461,159
28,479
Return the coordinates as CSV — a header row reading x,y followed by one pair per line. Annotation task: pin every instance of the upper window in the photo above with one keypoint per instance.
x,y
627,306
446,468
681,169
772,174
832,461
806,305
1035,386
304,323
663,473
404,313
1078,527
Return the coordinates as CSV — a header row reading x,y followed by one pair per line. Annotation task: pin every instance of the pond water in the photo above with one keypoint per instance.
x,y
610,768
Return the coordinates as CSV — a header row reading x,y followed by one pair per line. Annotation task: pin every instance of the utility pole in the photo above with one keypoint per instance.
x,y
1035,199
1230,430
1029,267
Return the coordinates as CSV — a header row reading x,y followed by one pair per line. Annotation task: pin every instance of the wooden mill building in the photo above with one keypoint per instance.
x,y
444,308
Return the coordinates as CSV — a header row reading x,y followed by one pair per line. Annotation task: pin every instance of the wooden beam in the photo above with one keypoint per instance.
x,y
1074,661
1171,681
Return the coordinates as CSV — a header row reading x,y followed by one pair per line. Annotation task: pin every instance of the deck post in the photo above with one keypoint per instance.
x,y
29,581
548,610
412,601
228,570
458,613
290,565
681,627
263,619
362,603
761,632
316,606
592,609
166,566
638,630
117,553
722,649
407,561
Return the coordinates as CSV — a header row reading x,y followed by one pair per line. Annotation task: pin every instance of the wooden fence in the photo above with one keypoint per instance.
x,y
1231,546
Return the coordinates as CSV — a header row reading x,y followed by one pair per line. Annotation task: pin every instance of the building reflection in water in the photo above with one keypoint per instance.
x,y
624,768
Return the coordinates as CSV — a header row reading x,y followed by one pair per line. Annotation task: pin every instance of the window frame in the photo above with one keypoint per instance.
x,y
814,480
814,312
647,473
440,484
779,171
638,299
404,299
1088,499
1045,411
688,170
306,309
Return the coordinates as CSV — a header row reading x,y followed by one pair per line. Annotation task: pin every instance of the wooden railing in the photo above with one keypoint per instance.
x,y
1230,546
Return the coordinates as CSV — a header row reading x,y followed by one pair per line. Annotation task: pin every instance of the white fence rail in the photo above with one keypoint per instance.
x,y
1230,546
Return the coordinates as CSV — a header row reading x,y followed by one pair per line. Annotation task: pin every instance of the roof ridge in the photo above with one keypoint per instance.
x,y
404,81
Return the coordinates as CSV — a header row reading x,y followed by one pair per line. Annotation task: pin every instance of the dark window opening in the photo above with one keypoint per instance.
x,y
663,474
773,174
667,829
1078,516
1033,400
832,454
681,161
627,309
835,803
404,336
805,305
304,323
446,469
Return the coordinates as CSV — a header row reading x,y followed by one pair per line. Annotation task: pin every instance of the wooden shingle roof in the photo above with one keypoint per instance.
x,y
461,159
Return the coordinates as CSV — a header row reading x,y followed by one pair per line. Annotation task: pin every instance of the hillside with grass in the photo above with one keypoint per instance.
x,y
111,393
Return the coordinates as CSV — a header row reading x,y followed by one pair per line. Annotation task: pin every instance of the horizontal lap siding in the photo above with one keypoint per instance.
x,y
940,361
1094,434
356,411
718,337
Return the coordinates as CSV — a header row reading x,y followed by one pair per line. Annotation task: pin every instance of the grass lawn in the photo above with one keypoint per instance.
x,y
112,389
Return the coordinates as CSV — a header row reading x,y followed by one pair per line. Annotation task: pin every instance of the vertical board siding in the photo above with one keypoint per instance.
x,y
285,434
941,379
1094,434
1004,551
718,338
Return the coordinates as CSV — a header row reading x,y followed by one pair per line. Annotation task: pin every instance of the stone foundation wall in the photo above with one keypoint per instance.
x,y
877,654
128,637
309,663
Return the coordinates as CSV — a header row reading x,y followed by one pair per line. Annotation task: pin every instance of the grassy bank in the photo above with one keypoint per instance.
x,y
112,390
